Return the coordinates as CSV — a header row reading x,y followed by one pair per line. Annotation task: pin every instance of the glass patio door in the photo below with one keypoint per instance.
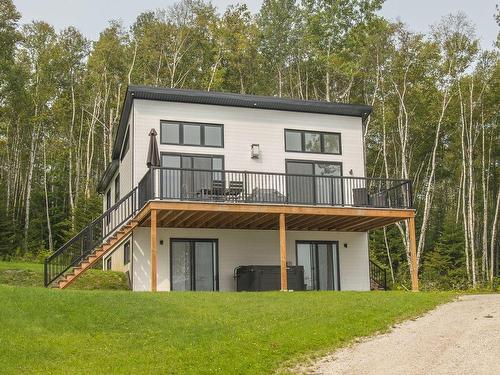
x,y
193,265
321,265
312,182
183,183
300,189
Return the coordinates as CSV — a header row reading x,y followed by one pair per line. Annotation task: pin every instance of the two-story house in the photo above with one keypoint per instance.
x,y
218,191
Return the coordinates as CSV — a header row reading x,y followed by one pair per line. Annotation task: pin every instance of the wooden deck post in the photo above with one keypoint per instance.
x,y
154,253
413,254
282,228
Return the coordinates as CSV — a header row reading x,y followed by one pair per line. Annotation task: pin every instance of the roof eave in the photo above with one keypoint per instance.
x,y
107,176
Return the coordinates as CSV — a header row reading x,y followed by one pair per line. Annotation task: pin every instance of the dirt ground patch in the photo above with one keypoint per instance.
x,y
461,337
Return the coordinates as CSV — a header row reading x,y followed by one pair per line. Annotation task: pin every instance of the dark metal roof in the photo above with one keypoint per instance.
x,y
107,176
230,100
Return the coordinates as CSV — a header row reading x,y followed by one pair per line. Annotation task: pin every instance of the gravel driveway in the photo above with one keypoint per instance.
x,y
461,337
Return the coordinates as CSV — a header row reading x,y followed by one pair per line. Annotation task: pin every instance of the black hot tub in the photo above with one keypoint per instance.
x,y
265,278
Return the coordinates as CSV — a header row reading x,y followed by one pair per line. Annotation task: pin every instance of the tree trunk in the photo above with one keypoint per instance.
x,y
47,208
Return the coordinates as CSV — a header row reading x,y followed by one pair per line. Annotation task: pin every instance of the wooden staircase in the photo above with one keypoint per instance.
x,y
111,242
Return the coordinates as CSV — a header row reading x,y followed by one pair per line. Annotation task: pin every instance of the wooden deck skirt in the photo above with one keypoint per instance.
x,y
182,214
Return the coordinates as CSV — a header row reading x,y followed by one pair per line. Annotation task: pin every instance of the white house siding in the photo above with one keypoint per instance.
x,y
248,247
243,127
125,170
117,258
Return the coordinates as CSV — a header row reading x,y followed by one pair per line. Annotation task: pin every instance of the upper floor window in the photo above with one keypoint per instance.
x,y
117,188
313,142
191,134
126,144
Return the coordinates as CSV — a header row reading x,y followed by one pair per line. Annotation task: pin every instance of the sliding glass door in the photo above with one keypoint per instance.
x,y
193,265
321,264
188,184
312,183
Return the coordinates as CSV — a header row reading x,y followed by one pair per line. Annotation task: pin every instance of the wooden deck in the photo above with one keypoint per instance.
x,y
282,218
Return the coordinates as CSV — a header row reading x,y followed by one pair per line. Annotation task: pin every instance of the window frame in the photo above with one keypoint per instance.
x,y
314,162
117,185
193,155
109,263
201,125
192,241
314,175
327,242
126,144
322,141
126,253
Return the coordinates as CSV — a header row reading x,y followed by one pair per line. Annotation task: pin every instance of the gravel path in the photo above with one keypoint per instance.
x,y
461,337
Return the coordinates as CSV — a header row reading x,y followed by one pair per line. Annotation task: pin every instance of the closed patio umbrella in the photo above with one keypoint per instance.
x,y
153,153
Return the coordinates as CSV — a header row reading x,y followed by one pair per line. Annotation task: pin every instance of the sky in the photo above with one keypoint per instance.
x,y
92,16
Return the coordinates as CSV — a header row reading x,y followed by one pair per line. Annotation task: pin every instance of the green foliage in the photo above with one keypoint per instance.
x,y
103,280
61,96
27,273
188,333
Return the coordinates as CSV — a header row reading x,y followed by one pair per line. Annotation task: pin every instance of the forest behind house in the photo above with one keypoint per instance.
x,y
435,99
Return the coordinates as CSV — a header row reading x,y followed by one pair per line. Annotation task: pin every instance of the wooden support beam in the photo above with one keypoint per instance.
x,y
282,229
270,223
184,220
202,219
323,222
262,219
245,220
154,255
172,219
163,216
344,224
277,209
222,219
366,223
413,254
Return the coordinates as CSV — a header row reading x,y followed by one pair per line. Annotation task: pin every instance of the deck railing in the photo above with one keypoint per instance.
x,y
273,188
226,186
378,276
90,238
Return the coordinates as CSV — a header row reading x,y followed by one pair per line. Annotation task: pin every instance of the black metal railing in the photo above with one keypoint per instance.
x,y
230,187
378,276
91,237
275,188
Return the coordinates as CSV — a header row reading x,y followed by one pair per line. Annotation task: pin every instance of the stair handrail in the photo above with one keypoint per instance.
x,y
378,274
105,231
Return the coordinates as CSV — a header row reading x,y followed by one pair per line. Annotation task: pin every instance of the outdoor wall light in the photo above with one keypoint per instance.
x,y
255,151
345,245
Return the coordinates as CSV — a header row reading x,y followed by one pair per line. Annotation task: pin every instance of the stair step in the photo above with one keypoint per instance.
x,y
95,255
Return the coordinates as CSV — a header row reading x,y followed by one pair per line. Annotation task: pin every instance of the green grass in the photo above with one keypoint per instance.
x,y
31,274
21,266
75,331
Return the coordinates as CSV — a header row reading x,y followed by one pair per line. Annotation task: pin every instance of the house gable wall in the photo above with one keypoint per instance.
x,y
244,127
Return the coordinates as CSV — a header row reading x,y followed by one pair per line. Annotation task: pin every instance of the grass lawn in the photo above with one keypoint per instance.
x,y
76,331
31,274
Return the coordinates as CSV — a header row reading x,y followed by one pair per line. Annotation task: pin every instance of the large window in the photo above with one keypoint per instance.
x,y
314,182
193,264
187,178
312,142
321,264
191,134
